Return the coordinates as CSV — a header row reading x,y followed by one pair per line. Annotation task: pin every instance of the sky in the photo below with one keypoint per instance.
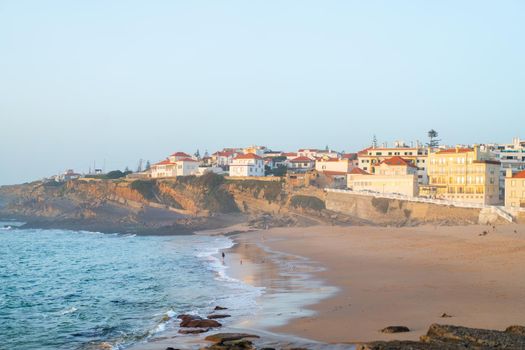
x,y
113,82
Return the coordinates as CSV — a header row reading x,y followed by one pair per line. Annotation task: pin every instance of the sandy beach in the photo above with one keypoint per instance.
x,y
393,276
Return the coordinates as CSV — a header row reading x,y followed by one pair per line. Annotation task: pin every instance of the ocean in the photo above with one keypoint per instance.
x,y
63,289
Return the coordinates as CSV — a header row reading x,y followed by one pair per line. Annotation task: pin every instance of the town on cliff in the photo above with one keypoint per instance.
x,y
480,175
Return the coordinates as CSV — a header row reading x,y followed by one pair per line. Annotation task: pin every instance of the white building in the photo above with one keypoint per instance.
x,y
511,156
247,165
223,158
301,163
179,167
316,153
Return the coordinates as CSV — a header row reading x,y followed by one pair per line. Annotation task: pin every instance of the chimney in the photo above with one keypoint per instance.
x,y
509,172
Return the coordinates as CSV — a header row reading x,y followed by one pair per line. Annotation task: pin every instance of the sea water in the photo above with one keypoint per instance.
x,y
63,289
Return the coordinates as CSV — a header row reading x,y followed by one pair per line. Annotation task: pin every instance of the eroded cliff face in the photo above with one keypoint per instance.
x,y
196,202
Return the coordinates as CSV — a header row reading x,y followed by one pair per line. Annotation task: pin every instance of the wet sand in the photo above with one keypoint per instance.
x,y
398,276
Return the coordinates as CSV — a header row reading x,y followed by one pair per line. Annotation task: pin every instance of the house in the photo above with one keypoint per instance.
x,y
223,158
175,165
247,165
352,158
371,157
258,150
343,165
463,174
511,156
301,163
67,176
165,168
316,153
178,156
393,175
515,190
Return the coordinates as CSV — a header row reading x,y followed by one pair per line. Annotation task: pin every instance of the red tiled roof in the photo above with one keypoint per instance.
x,y
328,160
364,151
350,156
223,153
397,161
301,159
358,171
180,154
165,162
520,175
290,154
248,156
187,160
455,150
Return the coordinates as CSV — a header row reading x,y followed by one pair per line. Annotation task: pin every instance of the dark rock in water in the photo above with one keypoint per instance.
x,y
170,348
194,330
395,329
223,337
267,349
217,308
212,317
200,323
186,317
516,330
445,315
473,337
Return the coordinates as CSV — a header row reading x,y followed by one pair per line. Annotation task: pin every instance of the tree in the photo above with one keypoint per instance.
x,y
197,154
326,148
433,139
139,166
148,165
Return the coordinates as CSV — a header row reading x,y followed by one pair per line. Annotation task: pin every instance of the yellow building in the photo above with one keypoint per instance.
x,y
463,175
370,158
393,176
515,190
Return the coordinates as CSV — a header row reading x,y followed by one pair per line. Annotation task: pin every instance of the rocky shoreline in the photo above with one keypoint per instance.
x,y
438,337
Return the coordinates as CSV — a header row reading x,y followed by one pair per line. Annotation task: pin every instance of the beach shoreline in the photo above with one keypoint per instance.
x,y
408,276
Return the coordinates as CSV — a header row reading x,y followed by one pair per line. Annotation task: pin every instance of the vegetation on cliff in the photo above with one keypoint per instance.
x,y
270,190
307,202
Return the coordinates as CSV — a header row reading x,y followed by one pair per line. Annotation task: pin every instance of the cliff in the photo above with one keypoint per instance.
x,y
186,204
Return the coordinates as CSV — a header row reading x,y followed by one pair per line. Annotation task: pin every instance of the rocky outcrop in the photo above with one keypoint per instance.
x,y
395,329
193,321
215,316
231,341
455,338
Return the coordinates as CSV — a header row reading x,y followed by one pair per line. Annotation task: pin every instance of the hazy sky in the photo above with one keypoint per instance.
x,y
122,80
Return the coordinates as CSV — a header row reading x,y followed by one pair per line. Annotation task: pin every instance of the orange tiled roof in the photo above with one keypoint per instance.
x,y
397,161
180,154
248,156
165,162
520,175
358,171
351,156
301,159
